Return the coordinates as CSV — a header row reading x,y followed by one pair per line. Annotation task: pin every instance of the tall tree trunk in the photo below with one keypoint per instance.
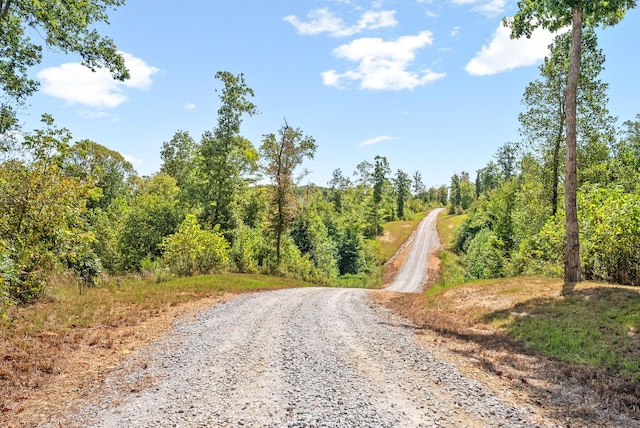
x,y
556,165
572,272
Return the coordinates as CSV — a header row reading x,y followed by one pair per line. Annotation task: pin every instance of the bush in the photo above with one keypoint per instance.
x,y
610,233
192,250
248,250
484,256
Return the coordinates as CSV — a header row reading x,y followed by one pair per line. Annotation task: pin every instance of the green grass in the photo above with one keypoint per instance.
x,y
594,326
395,233
447,224
451,270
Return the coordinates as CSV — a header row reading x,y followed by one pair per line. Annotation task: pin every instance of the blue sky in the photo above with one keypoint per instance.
x,y
433,85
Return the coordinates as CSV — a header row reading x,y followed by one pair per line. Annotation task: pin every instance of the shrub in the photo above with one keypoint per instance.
x,y
484,256
192,250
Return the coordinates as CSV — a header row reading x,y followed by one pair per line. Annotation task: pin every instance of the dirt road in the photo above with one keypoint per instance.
x,y
412,273
313,357
309,357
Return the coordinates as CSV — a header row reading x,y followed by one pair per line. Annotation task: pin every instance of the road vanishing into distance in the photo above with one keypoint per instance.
x,y
304,357
413,272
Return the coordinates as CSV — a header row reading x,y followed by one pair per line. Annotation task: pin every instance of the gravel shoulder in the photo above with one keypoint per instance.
x,y
294,358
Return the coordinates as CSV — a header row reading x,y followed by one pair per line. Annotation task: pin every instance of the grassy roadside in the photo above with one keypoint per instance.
x,y
68,341
395,233
538,335
451,270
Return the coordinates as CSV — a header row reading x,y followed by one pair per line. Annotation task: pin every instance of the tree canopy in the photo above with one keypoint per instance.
x,y
67,27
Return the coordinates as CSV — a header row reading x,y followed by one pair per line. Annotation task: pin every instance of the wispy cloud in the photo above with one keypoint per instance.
x,y
135,161
455,31
505,54
376,140
76,84
487,7
324,21
189,106
383,65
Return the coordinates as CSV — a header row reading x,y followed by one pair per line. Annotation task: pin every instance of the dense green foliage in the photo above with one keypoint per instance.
x,y
81,207
581,15
511,230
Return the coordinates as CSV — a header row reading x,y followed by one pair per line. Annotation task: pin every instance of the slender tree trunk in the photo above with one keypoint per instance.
x,y
4,8
556,165
572,272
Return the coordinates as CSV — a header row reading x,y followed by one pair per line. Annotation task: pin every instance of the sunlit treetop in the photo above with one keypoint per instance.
x,y
556,14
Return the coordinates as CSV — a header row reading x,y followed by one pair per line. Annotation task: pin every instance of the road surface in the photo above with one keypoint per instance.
x,y
413,272
305,357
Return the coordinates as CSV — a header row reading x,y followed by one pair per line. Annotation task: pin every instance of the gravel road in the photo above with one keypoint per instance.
x,y
413,272
307,357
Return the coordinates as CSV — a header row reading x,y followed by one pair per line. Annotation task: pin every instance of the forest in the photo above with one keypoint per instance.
x,y
222,203
217,204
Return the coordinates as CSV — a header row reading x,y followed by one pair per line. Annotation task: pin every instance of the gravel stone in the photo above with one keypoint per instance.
x,y
308,357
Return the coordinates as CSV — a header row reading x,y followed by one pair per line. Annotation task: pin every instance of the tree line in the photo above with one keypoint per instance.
x,y
217,204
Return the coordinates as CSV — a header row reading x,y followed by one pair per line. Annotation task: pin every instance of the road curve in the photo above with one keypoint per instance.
x,y
413,272
306,357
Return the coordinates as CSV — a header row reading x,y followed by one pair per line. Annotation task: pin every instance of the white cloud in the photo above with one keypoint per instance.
x,y
133,160
324,21
505,54
455,31
190,106
376,140
383,65
487,7
76,84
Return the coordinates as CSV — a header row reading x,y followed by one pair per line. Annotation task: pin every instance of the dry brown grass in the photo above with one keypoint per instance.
x,y
40,374
61,348
457,325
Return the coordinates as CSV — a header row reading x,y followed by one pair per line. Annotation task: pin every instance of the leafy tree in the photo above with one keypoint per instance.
x,y
442,195
363,174
455,196
350,246
403,191
249,252
225,154
312,237
554,16
380,172
624,167
153,215
338,184
252,206
64,26
467,191
487,178
484,256
417,184
506,160
180,160
543,122
41,213
281,155
108,170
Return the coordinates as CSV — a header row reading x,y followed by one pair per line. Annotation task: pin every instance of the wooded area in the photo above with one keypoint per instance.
x,y
81,207
221,204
